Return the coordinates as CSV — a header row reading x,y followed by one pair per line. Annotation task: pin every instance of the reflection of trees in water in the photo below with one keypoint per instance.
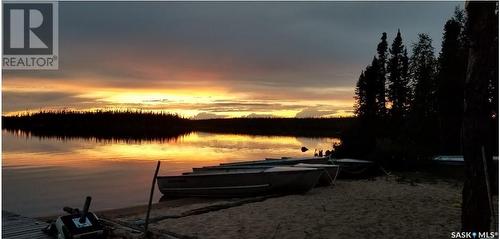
x,y
96,139
197,139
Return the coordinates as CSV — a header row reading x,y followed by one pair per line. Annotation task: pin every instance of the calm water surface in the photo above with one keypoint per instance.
x,y
41,175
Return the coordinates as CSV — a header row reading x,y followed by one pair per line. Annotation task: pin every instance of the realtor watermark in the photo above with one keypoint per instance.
x,y
30,35
474,235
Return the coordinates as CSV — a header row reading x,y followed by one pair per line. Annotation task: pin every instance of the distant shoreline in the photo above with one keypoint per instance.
x,y
140,125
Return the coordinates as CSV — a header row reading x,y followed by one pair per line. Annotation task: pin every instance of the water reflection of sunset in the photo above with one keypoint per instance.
x,y
66,170
192,150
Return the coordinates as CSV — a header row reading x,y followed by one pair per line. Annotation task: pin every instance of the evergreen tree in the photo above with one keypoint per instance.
x,y
360,108
405,82
381,79
450,88
423,71
398,88
366,92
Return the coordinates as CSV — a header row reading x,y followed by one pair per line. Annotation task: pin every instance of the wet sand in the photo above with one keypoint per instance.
x,y
384,207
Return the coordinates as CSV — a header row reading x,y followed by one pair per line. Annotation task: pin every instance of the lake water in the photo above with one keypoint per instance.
x,y
41,175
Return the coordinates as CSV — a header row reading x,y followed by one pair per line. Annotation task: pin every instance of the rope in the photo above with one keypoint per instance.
x,y
383,170
338,170
336,175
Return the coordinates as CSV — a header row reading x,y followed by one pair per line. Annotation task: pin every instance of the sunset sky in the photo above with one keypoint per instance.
x,y
219,59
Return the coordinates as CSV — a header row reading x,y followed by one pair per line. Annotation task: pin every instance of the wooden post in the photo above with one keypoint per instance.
x,y
151,198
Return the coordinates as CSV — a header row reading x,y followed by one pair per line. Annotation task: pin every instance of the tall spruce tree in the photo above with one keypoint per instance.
x,y
366,92
360,107
423,71
381,78
398,88
405,82
450,88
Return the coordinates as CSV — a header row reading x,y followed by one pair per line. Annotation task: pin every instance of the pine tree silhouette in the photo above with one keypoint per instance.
x,y
450,89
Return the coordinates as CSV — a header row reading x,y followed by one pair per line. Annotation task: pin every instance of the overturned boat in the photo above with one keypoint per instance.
x,y
240,183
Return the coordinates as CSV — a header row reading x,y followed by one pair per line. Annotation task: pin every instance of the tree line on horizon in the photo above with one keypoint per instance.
x,y
136,124
411,105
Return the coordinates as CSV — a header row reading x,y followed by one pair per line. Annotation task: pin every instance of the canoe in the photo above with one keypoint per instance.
x,y
327,178
242,183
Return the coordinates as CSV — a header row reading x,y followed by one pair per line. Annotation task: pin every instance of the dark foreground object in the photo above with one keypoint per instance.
x,y
477,130
78,224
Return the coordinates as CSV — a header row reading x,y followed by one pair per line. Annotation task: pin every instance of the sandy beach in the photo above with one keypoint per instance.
x,y
383,207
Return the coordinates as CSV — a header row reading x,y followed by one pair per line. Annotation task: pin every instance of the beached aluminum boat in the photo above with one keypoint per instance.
x,y
247,182
350,168
455,160
355,168
327,178
283,161
352,162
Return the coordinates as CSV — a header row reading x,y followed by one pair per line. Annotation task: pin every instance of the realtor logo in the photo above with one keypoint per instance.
x,y
30,35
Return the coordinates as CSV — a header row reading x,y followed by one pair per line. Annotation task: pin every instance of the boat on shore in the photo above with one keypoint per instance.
x,y
327,178
241,183
455,160
349,168
283,161
355,168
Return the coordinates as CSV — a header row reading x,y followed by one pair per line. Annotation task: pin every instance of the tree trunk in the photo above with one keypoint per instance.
x,y
482,31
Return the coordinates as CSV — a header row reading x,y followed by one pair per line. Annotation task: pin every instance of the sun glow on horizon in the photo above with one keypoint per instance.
x,y
189,102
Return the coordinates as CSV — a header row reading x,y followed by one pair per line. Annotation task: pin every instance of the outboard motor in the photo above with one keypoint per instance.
x,y
78,224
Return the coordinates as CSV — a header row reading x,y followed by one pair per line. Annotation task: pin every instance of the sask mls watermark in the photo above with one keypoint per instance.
x,y
473,235
30,35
